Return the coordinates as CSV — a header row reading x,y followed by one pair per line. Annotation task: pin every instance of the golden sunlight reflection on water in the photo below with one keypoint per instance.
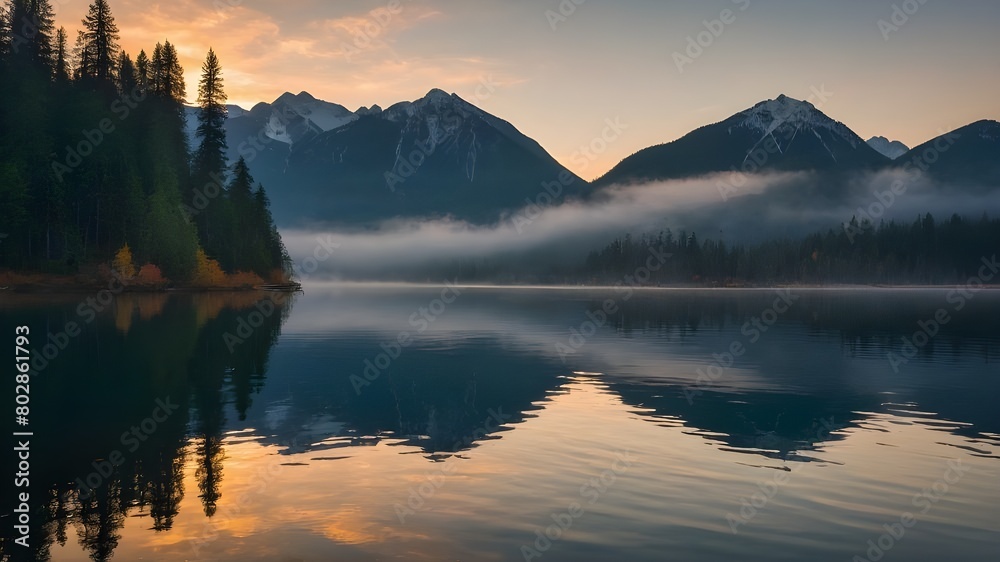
x,y
484,503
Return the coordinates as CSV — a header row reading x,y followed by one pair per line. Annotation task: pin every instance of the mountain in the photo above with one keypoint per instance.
x,y
968,155
778,134
436,156
191,119
889,149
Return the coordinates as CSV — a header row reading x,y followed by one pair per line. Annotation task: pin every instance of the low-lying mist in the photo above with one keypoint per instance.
x,y
549,235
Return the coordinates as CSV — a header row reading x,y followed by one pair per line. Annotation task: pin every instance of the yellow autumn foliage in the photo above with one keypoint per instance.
x,y
123,263
208,272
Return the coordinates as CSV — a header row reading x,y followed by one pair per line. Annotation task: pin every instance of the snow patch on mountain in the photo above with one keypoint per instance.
x,y
276,130
768,116
316,115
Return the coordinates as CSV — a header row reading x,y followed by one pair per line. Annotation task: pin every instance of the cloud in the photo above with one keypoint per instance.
x,y
763,206
345,52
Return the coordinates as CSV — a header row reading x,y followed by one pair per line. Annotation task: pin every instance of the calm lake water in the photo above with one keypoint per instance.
x,y
421,423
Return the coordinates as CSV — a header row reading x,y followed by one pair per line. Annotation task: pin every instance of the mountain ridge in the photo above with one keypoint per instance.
x,y
438,155
762,137
425,157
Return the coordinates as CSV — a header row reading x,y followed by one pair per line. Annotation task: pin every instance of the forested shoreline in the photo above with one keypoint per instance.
x,y
97,180
924,252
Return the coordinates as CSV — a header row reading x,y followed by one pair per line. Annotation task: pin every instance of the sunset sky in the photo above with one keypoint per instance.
x,y
559,78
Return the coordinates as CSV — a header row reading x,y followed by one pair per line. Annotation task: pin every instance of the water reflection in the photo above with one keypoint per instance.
x,y
103,457
487,369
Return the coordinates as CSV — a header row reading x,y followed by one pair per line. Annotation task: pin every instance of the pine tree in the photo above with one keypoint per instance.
x,y
167,75
142,70
176,88
210,157
44,33
101,39
83,58
62,56
275,255
29,34
155,78
126,74
209,161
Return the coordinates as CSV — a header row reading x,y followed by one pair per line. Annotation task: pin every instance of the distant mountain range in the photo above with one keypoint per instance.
x,y
442,156
969,155
779,134
890,149
437,156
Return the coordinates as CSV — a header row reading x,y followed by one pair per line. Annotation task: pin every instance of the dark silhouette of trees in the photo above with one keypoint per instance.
x,y
95,154
142,70
924,252
167,74
126,74
209,163
28,35
62,56
211,154
100,41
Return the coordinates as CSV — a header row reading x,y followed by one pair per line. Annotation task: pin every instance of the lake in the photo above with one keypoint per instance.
x,y
391,422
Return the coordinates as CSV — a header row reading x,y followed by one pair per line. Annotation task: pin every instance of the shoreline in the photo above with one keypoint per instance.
x,y
39,283
83,289
66,285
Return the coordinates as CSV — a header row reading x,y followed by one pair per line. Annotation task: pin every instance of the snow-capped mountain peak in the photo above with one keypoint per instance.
x,y
436,101
768,115
792,116
294,115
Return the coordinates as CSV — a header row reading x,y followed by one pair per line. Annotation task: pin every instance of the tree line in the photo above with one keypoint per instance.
x,y
922,252
95,163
